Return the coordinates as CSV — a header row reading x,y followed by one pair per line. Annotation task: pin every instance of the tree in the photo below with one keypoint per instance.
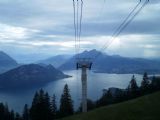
x,y
18,117
66,103
12,115
26,112
155,84
90,105
106,99
47,107
34,108
41,107
54,107
145,84
133,87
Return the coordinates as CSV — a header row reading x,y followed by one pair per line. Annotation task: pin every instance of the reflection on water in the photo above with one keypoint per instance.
x,y
96,82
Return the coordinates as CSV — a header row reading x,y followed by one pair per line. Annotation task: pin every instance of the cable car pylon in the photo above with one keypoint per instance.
x,y
81,63
84,64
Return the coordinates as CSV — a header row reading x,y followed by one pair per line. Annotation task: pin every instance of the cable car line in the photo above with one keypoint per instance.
x,y
124,24
80,24
75,28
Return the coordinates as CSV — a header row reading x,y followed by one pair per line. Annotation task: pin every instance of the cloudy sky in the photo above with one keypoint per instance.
x,y
45,27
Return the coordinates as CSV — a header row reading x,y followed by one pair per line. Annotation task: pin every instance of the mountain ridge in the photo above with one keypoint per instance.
x,y
29,75
56,61
6,62
114,63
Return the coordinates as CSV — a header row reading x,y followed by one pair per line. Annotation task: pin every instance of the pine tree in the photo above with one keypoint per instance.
x,y
66,104
145,84
18,117
12,115
2,111
54,107
41,107
47,107
133,87
106,99
26,112
155,84
90,105
34,109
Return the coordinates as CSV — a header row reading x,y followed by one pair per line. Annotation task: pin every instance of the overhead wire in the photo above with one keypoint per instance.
x,y
123,23
78,14
132,18
122,26
80,24
77,24
125,20
75,28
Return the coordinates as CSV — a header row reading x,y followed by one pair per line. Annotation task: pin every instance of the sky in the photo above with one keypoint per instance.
x,y
37,29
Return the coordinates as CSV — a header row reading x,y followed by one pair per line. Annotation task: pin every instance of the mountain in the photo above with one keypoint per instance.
x,y
56,61
71,63
143,108
6,62
114,63
29,76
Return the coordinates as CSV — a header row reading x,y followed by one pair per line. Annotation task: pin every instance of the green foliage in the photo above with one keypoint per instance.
x,y
133,84
5,114
66,103
18,117
90,105
133,89
145,84
106,99
54,107
143,108
155,84
41,108
26,113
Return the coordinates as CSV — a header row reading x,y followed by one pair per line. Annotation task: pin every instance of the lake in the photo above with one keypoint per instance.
x,y
96,83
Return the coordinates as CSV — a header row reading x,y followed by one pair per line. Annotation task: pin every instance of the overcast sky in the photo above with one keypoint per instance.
x,y
45,27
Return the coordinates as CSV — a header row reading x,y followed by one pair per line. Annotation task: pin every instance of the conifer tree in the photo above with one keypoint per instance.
x,y
66,103
47,107
107,98
12,115
18,117
54,107
145,84
133,87
41,108
26,112
34,108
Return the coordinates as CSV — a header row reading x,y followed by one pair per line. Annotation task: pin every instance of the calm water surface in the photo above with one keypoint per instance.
x,y
96,83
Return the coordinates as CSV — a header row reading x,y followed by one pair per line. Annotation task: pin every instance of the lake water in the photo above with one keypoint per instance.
x,y
96,83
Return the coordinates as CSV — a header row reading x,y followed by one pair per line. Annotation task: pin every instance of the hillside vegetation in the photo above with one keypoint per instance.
x,y
143,108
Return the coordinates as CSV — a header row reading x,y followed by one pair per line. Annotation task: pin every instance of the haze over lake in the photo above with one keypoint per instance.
x,y
96,83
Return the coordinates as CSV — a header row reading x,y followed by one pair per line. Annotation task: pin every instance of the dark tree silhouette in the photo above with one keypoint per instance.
x,y
145,84
66,103
155,84
90,105
18,117
106,99
26,112
12,115
41,108
54,107
133,88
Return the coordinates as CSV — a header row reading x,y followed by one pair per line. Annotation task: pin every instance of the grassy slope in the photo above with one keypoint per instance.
x,y
143,108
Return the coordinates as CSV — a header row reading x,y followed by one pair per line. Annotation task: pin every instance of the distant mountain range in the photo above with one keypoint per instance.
x,y
56,61
6,62
29,76
115,63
